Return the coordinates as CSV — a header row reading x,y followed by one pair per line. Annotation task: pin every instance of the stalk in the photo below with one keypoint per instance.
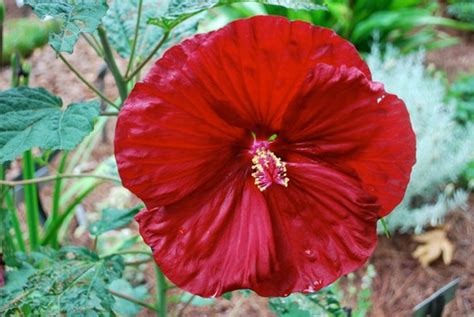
x,y
55,225
15,222
133,300
161,288
31,201
57,195
87,83
135,38
147,59
2,19
110,60
11,208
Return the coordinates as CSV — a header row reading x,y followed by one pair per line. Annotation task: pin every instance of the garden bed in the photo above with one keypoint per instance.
x,y
400,282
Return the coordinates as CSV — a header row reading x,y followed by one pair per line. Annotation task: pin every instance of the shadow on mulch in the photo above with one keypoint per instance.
x,y
401,282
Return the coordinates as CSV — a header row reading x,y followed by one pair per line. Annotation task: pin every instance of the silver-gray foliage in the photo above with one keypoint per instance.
x,y
443,146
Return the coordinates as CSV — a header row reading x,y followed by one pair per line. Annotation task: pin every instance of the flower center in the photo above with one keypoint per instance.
x,y
268,169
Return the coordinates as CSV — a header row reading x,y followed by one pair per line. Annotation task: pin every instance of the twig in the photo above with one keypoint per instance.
x,y
54,177
88,84
93,45
112,65
129,252
181,311
133,300
109,113
135,38
146,60
138,262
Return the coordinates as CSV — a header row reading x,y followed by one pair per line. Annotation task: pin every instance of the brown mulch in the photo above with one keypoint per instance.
x,y
401,282
454,60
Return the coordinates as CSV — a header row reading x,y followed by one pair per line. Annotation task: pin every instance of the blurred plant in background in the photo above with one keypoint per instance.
x,y
354,291
462,10
444,146
22,36
461,93
406,24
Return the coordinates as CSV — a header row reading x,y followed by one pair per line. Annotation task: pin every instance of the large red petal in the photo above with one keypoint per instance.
x,y
212,243
248,71
342,118
164,153
299,238
327,221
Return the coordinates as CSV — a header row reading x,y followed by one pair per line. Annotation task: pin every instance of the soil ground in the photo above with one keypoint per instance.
x,y
400,283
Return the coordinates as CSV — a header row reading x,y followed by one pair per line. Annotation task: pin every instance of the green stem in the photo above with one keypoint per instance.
x,y
57,195
31,201
15,64
110,60
147,59
130,252
11,208
55,225
109,113
385,228
93,45
88,84
133,300
135,38
15,222
161,288
50,178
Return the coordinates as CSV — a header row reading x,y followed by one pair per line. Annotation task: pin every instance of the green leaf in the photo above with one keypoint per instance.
x,y
120,23
113,218
463,10
322,303
195,300
82,16
32,117
180,10
124,307
70,282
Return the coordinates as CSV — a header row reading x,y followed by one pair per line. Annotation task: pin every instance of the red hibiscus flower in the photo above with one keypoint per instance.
x,y
265,155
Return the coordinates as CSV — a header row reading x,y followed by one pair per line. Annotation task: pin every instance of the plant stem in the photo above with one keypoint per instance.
x,y
147,59
125,252
11,208
88,84
385,228
161,289
96,48
91,44
15,222
110,60
31,201
181,311
55,225
54,177
109,113
133,300
135,38
57,195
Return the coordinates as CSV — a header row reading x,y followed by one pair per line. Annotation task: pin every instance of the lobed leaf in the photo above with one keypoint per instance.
x,y
124,307
82,16
70,282
180,10
32,117
113,218
120,23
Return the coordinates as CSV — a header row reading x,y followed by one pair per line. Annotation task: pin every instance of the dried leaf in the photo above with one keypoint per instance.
x,y
435,244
